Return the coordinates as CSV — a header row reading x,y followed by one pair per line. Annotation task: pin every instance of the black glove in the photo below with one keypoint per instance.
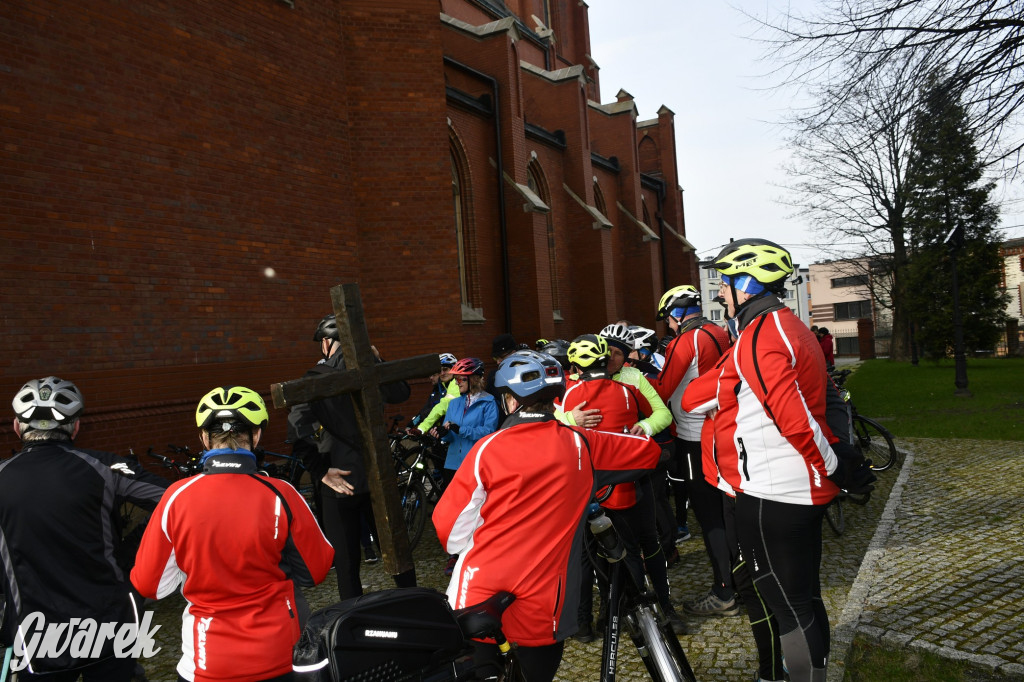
x,y
453,427
853,474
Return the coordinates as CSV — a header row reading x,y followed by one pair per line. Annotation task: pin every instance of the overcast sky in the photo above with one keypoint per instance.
x,y
696,57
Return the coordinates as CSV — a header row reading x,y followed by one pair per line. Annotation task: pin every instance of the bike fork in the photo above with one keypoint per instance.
x,y
610,647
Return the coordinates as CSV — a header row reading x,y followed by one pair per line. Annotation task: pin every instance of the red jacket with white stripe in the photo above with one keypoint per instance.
x,y
622,406
515,514
226,539
771,440
691,354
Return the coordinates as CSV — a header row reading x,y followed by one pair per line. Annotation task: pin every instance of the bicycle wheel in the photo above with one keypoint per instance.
x,y
414,508
661,652
875,442
834,516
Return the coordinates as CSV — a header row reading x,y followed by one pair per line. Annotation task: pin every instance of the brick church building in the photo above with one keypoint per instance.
x,y
182,183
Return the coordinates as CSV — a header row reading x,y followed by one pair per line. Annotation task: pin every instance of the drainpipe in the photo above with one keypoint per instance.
x,y
502,220
661,242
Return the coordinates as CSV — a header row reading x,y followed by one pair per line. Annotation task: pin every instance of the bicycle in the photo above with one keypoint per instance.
x,y
873,439
633,596
291,469
418,464
404,634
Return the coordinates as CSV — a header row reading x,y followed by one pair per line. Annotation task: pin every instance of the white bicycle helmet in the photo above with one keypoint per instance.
x,y
618,335
47,403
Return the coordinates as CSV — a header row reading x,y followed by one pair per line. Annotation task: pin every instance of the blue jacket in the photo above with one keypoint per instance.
x,y
481,419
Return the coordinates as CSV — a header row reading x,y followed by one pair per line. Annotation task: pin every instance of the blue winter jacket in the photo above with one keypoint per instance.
x,y
481,419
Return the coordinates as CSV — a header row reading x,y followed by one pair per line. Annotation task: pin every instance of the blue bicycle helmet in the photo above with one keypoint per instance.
x,y
531,377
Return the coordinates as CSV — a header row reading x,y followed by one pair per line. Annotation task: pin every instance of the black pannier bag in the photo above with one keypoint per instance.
x,y
392,635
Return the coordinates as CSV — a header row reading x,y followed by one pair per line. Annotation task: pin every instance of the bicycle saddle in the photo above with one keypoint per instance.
x,y
484,619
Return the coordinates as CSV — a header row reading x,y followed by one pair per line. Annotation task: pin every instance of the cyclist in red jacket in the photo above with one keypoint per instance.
x,y
237,544
696,347
772,446
514,512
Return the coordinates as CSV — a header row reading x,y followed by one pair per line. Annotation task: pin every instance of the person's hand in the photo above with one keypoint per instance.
x,y
413,431
588,419
334,479
638,430
853,473
452,426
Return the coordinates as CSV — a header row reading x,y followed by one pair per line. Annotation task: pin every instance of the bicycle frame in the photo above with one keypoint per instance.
x,y
643,616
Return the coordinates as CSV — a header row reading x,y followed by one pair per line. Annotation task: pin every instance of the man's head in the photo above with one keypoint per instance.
x,y
530,379
645,343
447,362
620,345
752,268
677,304
502,345
326,335
589,355
231,417
47,409
559,350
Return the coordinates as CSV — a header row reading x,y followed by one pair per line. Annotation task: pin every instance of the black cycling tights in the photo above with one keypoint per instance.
x,y
781,544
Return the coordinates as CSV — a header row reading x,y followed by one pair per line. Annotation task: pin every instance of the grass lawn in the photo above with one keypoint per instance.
x,y
872,662
918,402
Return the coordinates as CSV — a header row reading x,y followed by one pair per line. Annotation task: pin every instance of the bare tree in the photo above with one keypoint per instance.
x,y
849,184
845,44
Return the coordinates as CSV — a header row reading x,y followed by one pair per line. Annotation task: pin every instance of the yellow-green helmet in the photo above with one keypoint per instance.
x,y
587,350
683,296
227,405
764,261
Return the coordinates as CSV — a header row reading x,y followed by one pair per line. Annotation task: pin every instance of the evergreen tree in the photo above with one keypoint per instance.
x,y
947,190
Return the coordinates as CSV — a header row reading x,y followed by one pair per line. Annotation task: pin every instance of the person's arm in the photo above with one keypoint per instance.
x,y
659,416
451,392
307,554
156,573
701,394
621,457
788,405
678,357
456,515
487,423
134,483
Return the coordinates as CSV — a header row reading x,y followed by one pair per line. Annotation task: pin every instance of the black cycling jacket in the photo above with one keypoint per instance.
x,y
59,540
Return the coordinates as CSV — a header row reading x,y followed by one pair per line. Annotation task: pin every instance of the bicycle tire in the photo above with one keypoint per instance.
x,y
835,517
875,442
664,662
414,508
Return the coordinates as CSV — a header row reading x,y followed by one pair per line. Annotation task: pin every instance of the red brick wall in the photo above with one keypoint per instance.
x,y
159,156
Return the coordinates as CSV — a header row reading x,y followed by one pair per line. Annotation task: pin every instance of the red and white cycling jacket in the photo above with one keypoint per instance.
x,y
226,539
622,406
689,355
515,514
771,440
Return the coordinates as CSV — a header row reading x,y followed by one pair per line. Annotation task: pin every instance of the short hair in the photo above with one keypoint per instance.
x,y
57,433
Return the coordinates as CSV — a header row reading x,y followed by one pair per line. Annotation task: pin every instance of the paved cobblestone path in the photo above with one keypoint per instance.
x,y
943,569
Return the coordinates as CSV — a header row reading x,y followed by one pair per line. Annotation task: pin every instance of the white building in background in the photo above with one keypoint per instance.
x,y
840,295
797,296
1012,254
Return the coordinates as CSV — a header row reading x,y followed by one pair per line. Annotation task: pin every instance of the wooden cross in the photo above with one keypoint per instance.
x,y
362,378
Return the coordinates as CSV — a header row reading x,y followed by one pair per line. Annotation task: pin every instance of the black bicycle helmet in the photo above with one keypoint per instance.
x,y
326,329
559,350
